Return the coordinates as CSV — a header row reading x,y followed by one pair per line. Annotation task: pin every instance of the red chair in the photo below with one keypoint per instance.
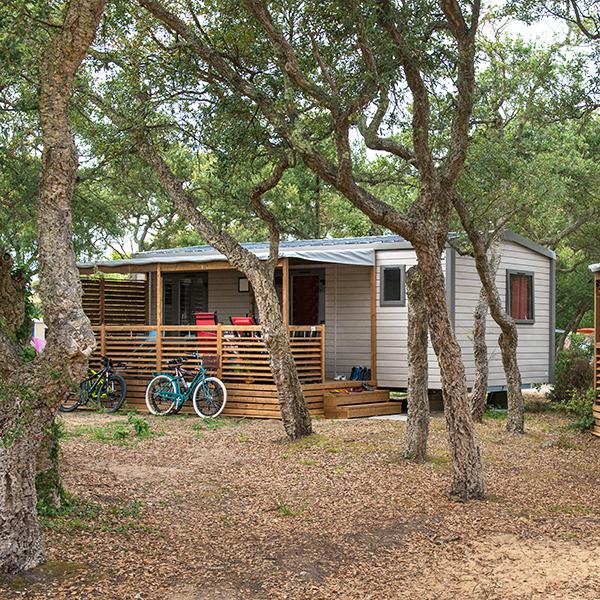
x,y
206,318
243,321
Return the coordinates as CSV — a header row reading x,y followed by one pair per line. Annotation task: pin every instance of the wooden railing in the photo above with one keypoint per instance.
x,y
238,352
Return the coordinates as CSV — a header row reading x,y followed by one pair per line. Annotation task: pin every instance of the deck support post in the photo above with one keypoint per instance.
x,y
219,351
159,317
102,303
103,339
285,291
374,325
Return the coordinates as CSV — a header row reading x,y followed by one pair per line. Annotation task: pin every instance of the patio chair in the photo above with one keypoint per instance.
x,y
241,321
206,318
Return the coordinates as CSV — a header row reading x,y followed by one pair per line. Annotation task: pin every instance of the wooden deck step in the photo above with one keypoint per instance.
x,y
340,405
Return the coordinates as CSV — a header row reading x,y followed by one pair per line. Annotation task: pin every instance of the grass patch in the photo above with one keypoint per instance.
x,y
330,445
494,413
87,515
203,425
571,509
309,462
439,461
287,510
120,433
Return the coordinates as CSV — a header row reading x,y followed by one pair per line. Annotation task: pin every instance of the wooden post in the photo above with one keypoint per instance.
x,y
159,317
103,339
322,330
101,311
285,291
374,325
219,350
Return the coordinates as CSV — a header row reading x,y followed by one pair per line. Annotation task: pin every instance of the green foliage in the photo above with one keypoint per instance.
x,y
50,492
114,516
287,510
580,405
574,372
211,424
120,433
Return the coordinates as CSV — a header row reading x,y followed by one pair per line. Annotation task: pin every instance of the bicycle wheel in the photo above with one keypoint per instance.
x,y
71,400
160,395
209,398
111,394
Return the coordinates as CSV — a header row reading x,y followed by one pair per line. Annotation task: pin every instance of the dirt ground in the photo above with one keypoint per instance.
x,y
234,511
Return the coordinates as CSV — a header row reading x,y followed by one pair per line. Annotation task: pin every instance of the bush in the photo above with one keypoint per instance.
x,y
581,407
574,373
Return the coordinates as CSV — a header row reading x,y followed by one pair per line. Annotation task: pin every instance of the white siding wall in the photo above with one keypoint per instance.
x,y
392,330
223,295
534,340
347,318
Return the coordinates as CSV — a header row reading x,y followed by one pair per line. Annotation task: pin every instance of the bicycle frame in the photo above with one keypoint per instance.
x,y
91,391
184,389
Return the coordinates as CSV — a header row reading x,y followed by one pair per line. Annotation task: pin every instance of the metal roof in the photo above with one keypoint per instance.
x,y
294,248
352,241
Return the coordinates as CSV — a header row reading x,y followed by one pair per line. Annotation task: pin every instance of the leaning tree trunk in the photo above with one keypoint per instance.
x,y
294,412
468,480
572,326
30,393
417,426
480,353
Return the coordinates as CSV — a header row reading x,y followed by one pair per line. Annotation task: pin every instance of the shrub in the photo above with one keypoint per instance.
x,y
574,373
580,405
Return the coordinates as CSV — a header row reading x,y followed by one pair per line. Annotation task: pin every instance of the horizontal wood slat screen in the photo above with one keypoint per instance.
x,y
237,354
115,301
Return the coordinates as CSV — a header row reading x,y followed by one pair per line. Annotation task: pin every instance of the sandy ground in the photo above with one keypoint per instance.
x,y
238,513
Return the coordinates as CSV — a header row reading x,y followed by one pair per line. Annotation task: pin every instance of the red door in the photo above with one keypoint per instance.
x,y
305,300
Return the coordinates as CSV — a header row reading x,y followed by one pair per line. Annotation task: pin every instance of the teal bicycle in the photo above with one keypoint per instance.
x,y
168,392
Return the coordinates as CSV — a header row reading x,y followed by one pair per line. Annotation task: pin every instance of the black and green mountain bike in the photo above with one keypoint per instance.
x,y
105,387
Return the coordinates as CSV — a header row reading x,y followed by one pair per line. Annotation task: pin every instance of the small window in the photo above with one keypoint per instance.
x,y
519,296
392,286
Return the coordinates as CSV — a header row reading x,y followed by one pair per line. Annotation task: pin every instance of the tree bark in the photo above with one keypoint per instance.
x,y
294,412
572,326
480,350
480,353
31,392
509,336
417,426
20,537
468,481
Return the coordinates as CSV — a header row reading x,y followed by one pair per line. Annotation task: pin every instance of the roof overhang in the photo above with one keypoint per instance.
x,y
361,257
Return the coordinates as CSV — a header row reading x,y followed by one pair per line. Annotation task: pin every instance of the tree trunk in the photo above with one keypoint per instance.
x,y
294,412
480,352
480,387
572,326
468,481
509,336
30,393
417,426
20,536
48,484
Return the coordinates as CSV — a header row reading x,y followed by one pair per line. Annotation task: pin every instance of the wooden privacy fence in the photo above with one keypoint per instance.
x,y
240,350
115,301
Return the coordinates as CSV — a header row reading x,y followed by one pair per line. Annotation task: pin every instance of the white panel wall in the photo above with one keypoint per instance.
x,y
223,295
347,318
392,330
534,340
